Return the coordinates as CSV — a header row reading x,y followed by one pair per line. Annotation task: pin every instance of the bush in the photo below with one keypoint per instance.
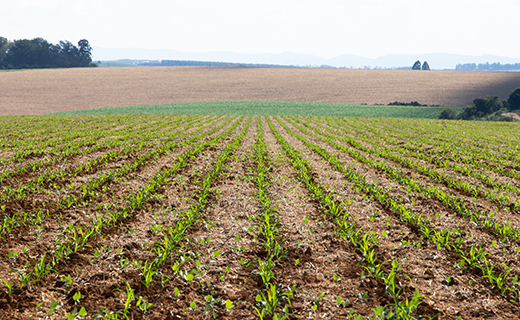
x,y
447,114
469,113
412,104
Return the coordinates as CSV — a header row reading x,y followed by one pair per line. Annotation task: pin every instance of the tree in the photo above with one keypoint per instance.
x,y
425,66
84,53
514,99
417,65
4,48
481,107
70,53
487,105
38,53
21,55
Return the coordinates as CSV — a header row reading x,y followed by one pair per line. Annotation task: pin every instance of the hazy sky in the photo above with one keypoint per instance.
x,y
325,28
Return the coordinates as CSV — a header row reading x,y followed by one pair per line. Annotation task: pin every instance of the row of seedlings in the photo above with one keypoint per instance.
x,y
502,161
273,300
473,257
115,139
365,242
169,264
75,238
497,193
72,196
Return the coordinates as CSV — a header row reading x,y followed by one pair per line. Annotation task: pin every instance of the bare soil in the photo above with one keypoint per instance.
x,y
34,92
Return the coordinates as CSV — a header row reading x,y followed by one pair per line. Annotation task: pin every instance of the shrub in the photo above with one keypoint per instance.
x,y
412,103
469,113
447,114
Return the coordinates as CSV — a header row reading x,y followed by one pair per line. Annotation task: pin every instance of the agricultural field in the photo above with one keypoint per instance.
x,y
258,217
36,92
285,108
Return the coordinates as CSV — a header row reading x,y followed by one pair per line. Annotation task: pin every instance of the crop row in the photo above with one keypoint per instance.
x,y
130,213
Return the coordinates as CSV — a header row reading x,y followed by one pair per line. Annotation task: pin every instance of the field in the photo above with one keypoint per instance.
x,y
36,92
248,217
272,108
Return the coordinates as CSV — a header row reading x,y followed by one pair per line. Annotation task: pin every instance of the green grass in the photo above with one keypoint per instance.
x,y
272,108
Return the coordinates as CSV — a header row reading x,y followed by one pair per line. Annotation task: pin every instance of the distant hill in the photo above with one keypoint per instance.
x,y
190,63
437,61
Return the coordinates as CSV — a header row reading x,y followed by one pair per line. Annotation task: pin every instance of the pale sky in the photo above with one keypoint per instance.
x,y
325,28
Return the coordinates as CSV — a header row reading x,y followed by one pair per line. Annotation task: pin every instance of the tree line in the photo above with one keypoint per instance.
x,y
39,53
488,67
184,63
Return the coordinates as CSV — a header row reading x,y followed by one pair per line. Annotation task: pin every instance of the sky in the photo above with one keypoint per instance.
x,y
325,28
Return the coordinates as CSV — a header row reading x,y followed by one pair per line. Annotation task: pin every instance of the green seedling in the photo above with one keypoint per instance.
x,y
9,285
143,305
229,304
342,303
268,302
211,303
77,297
75,313
53,307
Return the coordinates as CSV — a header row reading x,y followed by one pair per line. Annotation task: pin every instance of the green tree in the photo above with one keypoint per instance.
x,y
38,53
20,55
70,53
416,65
481,107
425,66
487,105
4,48
513,101
84,54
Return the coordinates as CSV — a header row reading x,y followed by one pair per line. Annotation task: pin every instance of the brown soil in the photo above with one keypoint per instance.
x,y
34,92
317,260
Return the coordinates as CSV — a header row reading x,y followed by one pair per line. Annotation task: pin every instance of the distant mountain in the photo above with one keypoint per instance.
x,y
286,58
435,60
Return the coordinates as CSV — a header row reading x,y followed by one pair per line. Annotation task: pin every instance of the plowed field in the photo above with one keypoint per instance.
x,y
201,217
34,92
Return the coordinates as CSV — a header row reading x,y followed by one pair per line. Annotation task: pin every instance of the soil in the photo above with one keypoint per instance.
x,y
33,92
222,249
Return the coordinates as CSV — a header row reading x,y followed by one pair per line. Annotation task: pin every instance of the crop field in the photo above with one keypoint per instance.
x,y
284,108
36,92
258,217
